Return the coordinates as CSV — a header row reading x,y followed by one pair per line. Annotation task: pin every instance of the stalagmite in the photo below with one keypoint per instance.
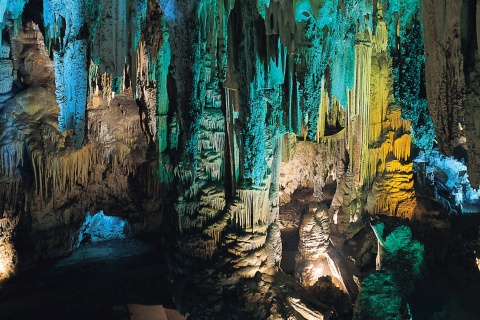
x,y
7,250
311,261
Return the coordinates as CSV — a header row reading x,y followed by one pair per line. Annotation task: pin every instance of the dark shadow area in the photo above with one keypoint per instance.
x,y
97,281
450,286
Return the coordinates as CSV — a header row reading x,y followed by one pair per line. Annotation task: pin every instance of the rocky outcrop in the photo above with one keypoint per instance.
x,y
41,172
312,260
8,254
6,72
452,60
31,59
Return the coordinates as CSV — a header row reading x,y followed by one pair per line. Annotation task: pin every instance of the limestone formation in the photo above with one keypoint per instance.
x,y
451,74
199,119
312,260
7,248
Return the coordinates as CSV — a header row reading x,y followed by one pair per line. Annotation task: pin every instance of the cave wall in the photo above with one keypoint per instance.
x,y
451,49
70,145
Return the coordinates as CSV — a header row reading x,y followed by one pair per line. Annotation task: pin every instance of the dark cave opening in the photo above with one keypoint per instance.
x,y
99,280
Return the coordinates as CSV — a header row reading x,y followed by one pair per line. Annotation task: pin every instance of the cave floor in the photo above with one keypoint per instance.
x,y
97,281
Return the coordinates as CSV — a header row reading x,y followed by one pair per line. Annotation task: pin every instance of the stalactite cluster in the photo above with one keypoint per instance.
x,y
371,130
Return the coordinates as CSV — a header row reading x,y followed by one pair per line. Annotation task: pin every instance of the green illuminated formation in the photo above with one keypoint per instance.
x,y
385,292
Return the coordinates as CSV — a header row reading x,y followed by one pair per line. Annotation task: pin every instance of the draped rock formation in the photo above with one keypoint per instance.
x,y
199,119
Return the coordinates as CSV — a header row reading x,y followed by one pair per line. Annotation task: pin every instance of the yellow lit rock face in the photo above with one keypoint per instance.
x,y
372,133
388,169
7,251
377,139
358,116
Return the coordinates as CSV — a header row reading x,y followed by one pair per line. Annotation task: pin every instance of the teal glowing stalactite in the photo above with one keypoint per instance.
x,y
330,30
64,21
398,15
10,10
117,84
262,7
3,9
93,14
343,62
275,78
254,152
71,88
274,116
312,91
160,75
139,16
405,36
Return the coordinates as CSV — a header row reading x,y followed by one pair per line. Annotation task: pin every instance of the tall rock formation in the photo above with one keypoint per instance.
x,y
452,60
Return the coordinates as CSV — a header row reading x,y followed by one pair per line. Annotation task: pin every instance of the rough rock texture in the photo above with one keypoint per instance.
x,y
193,112
41,173
311,260
7,248
6,72
452,61
312,165
30,56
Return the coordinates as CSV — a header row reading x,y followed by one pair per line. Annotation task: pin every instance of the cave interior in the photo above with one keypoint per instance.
x,y
239,159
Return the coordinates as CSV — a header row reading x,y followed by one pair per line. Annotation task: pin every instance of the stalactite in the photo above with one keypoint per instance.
x,y
11,155
71,78
190,247
109,42
214,168
214,197
389,168
322,113
289,145
106,83
6,70
252,209
401,147
216,230
183,174
359,113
